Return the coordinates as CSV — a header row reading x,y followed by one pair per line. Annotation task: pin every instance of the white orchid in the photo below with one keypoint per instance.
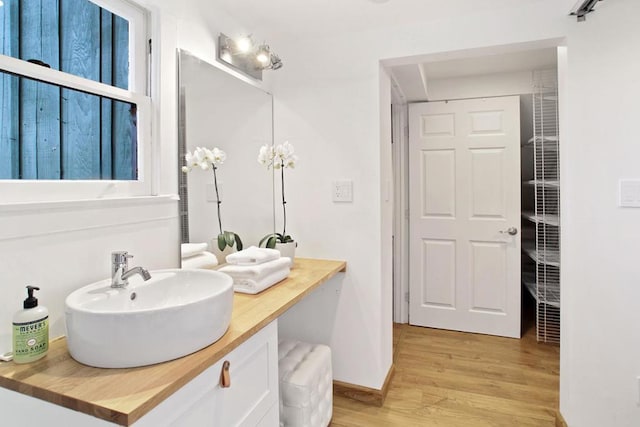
x,y
215,156
280,156
204,158
265,156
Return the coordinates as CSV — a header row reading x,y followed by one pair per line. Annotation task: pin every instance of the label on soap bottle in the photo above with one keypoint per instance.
x,y
31,339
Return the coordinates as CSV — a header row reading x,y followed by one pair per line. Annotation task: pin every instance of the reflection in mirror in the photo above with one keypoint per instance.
x,y
217,109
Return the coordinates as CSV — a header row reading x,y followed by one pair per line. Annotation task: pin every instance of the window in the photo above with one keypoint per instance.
x,y
73,99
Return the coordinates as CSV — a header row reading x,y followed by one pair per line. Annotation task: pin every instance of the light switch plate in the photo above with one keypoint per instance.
x,y
343,191
630,193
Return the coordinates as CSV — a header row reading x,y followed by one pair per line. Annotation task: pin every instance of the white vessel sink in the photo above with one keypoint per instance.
x,y
175,313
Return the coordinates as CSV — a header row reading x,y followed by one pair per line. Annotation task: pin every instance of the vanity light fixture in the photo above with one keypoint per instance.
x,y
244,55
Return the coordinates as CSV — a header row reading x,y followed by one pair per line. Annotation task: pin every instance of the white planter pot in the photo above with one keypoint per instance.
x,y
287,249
220,255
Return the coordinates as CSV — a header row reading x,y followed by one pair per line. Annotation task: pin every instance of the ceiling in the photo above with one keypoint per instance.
x,y
310,18
316,18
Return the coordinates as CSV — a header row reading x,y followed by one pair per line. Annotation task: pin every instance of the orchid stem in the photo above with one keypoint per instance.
x,y
284,204
215,182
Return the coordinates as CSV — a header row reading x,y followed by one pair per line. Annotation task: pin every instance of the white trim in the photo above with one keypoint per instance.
x,y
43,206
400,137
155,93
60,78
23,220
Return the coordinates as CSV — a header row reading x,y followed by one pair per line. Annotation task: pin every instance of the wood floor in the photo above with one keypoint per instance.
x,y
446,378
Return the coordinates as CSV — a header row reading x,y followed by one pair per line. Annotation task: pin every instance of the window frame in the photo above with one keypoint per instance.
x,y
19,191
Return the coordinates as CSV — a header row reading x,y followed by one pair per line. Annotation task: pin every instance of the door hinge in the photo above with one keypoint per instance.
x,y
406,297
149,46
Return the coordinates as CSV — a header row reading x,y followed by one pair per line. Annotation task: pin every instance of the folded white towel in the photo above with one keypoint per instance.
x,y
202,260
256,272
249,286
190,249
253,256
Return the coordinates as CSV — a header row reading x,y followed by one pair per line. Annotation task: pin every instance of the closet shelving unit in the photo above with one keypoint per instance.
x,y
542,244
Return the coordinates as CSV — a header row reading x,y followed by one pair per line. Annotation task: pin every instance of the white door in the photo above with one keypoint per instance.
x,y
464,184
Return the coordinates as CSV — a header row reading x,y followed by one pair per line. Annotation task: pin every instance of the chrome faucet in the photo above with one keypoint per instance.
x,y
120,271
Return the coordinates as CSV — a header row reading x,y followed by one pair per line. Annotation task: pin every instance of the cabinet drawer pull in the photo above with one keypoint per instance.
x,y
225,376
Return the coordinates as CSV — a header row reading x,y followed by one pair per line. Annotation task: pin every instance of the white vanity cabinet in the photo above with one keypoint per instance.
x,y
250,400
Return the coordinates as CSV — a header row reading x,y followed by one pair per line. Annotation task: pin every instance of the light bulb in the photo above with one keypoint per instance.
x,y
244,44
263,55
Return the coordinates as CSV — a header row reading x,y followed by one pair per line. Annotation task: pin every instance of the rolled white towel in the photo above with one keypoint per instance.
x,y
258,271
253,256
249,286
191,249
202,260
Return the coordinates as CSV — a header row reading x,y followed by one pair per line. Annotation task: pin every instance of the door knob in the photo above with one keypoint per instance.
x,y
512,231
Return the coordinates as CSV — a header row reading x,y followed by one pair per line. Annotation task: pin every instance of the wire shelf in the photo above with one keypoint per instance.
x,y
550,183
549,219
539,257
544,250
549,295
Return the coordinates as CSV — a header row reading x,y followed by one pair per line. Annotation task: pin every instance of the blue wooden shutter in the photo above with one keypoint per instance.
x,y
9,136
39,103
47,132
80,55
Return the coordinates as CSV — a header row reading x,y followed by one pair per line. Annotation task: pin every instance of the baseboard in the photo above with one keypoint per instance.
x,y
560,422
366,395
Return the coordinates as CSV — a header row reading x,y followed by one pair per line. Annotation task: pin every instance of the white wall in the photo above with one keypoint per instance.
x,y
330,104
497,84
327,102
325,126
600,356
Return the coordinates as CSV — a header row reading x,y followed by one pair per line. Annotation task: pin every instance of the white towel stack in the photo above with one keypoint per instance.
x,y
255,269
195,255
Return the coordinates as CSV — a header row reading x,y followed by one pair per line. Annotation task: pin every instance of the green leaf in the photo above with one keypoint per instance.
x,y
228,237
222,243
264,240
271,242
238,242
287,239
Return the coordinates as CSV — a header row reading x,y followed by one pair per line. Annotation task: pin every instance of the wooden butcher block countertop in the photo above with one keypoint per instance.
x,y
124,395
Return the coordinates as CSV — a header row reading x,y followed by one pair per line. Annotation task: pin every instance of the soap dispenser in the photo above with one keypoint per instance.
x,y
30,330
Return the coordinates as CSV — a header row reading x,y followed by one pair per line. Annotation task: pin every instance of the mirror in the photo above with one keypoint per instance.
x,y
217,109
